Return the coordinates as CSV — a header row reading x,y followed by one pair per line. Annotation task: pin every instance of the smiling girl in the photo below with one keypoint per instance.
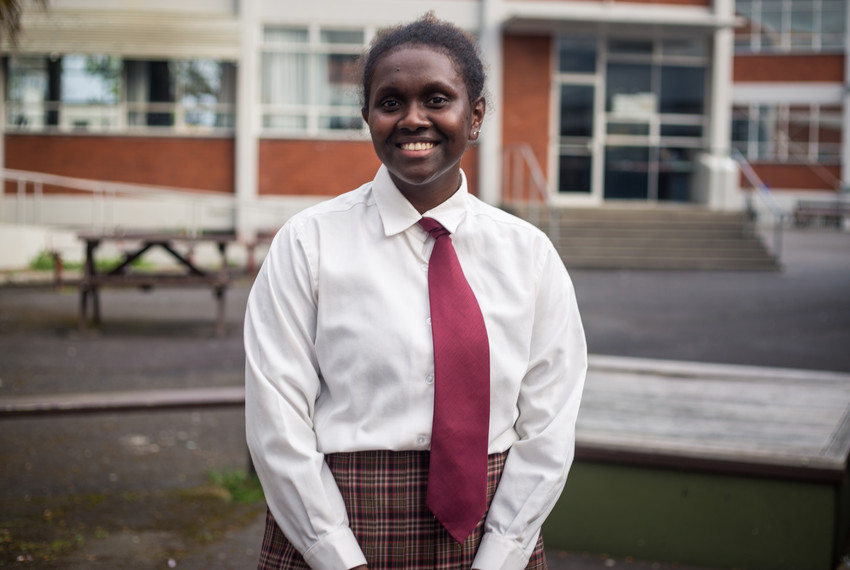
x,y
342,365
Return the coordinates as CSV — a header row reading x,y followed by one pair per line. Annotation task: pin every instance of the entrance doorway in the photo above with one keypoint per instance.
x,y
632,117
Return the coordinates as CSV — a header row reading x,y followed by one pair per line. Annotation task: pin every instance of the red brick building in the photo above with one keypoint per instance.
x,y
640,101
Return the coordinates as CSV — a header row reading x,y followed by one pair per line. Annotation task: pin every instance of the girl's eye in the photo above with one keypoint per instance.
x,y
389,104
438,101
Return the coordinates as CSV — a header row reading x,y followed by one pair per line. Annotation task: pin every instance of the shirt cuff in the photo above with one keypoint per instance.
x,y
338,550
499,553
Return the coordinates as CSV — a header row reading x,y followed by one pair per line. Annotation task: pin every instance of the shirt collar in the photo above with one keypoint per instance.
x,y
397,214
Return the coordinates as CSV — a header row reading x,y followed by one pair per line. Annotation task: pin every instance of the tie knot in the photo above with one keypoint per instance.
x,y
433,227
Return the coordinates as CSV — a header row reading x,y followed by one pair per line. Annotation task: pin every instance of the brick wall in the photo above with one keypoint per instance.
x,y
326,168
286,167
679,2
789,68
192,163
526,101
794,177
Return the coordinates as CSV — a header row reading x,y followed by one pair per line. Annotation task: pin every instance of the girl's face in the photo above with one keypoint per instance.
x,y
421,121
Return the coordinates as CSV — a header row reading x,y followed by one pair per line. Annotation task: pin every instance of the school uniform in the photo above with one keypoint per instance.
x,y
340,382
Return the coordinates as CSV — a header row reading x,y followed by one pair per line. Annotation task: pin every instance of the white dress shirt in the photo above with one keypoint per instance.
x,y
339,358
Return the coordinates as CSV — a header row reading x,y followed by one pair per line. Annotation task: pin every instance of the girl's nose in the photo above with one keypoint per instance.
x,y
415,117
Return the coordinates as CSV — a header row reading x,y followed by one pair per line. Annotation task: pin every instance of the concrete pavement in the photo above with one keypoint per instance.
x,y
133,490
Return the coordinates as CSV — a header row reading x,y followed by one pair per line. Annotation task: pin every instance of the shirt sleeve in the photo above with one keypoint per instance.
x,y
282,382
537,464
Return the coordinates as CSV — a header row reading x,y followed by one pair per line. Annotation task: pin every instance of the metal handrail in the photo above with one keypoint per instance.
x,y
104,195
762,191
522,170
101,191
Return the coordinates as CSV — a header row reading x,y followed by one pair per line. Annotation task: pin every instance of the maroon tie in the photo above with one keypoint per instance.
x,y
457,476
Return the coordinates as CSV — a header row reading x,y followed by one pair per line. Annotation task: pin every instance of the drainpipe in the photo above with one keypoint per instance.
x,y
247,127
490,140
845,144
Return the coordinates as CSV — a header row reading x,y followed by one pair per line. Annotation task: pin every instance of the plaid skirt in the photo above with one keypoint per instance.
x,y
384,493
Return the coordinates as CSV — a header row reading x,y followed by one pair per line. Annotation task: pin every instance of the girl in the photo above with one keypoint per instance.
x,y
356,400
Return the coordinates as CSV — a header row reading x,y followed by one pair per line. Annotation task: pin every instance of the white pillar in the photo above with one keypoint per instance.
x,y
247,120
490,141
717,174
845,143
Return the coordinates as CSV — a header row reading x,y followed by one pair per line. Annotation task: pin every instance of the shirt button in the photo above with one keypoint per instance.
x,y
421,440
424,267
428,320
429,379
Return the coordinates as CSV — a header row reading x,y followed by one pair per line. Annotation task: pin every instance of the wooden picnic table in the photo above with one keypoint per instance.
x,y
187,273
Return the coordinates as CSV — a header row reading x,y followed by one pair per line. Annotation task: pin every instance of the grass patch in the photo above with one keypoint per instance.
x,y
44,262
241,487
14,549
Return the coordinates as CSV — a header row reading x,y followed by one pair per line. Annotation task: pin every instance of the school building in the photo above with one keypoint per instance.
x,y
599,102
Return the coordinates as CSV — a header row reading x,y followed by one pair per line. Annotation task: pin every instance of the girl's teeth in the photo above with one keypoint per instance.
x,y
417,146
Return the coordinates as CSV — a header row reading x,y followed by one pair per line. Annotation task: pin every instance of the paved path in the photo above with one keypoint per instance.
x,y
799,318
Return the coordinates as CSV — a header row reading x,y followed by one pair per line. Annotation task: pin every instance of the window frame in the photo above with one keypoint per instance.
x,y
749,40
768,139
61,114
311,111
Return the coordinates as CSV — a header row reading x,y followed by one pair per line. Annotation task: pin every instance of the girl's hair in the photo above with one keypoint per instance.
x,y
428,31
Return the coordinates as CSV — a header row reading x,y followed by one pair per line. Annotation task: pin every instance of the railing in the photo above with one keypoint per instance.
x,y
61,202
763,193
189,209
524,187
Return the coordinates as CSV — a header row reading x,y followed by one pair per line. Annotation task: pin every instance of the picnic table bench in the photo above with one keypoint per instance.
x,y
831,211
187,274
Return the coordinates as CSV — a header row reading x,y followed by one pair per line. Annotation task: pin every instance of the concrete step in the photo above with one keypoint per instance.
x,y
647,237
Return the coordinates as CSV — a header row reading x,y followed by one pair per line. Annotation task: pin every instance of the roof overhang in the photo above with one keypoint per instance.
x,y
129,34
592,16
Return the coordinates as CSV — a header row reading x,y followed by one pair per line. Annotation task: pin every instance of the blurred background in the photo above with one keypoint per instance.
x,y
686,157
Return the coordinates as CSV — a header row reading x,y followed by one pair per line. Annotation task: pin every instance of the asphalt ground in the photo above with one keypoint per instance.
x,y
134,490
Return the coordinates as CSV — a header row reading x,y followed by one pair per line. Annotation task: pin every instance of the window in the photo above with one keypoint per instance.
x,y
27,93
808,133
791,25
310,80
98,93
577,66
185,95
90,88
577,54
656,88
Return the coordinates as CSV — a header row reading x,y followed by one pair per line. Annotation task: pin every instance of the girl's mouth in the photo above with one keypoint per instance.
x,y
417,145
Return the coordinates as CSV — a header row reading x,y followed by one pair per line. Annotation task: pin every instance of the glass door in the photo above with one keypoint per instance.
x,y
577,88
654,105
631,116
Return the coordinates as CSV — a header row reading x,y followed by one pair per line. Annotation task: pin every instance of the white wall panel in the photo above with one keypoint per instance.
x,y
131,33
378,13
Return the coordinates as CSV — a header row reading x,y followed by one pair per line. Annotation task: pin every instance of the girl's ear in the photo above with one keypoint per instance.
x,y
479,108
365,113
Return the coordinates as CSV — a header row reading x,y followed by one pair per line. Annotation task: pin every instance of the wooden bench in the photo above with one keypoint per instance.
x,y
187,273
263,239
831,212
709,465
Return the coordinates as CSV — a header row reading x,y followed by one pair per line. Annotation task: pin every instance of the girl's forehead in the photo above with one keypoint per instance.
x,y
416,58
